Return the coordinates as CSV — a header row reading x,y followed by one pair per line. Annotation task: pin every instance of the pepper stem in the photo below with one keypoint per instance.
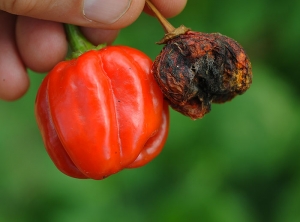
x,y
170,31
77,42
168,27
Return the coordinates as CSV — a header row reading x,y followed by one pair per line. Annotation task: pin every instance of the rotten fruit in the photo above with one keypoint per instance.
x,y
196,69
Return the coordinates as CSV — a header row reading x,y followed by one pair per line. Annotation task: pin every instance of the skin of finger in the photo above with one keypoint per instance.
x,y
99,36
68,11
14,80
42,44
168,8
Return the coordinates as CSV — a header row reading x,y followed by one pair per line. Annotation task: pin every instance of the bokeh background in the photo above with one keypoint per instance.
x,y
240,163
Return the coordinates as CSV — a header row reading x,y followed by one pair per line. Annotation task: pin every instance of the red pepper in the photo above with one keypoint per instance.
x,y
102,112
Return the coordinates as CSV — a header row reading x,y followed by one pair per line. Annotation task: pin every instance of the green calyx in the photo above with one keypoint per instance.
x,y
77,42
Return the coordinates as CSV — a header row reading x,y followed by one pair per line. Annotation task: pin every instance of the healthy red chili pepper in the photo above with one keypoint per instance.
x,y
102,112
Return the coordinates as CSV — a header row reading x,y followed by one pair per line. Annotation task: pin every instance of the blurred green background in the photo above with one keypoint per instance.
x,y
240,163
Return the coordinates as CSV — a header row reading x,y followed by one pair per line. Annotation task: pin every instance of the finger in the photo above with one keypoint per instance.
x,y
168,8
104,14
14,80
42,44
99,36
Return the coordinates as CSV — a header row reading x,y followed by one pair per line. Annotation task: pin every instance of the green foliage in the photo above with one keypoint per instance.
x,y
239,163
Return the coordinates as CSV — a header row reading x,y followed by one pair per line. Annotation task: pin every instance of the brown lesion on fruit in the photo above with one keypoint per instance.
x,y
197,69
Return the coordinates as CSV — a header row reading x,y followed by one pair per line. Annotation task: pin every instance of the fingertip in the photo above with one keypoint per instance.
x,y
123,20
14,80
13,83
100,36
42,44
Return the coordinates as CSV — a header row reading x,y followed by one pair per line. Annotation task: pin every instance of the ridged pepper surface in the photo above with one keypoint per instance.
x,y
102,112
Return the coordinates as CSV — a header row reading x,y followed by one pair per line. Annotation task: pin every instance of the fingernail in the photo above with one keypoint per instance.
x,y
105,11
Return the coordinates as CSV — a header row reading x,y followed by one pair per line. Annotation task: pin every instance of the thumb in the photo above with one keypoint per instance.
x,y
104,14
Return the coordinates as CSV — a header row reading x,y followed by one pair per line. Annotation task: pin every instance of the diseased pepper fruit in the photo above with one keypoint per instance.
x,y
195,69
101,112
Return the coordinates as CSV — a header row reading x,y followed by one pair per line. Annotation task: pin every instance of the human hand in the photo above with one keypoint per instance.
x,y
32,34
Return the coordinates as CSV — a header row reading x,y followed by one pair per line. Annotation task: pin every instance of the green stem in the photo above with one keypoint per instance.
x,y
77,42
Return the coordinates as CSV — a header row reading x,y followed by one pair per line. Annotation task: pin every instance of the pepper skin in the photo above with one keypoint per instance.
x,y
102,112
197,69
